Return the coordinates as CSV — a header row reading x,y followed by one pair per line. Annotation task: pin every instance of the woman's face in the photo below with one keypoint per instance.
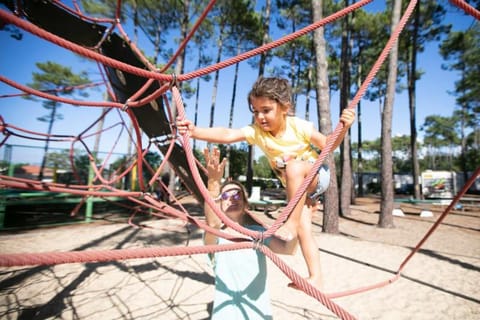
x,y
232,201
269,114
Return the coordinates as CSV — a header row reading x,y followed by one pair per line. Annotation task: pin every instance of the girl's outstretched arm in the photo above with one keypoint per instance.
x,y
213,134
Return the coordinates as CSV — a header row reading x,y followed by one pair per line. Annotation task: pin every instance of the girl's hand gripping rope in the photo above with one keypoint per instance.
x,y
347,117
185,126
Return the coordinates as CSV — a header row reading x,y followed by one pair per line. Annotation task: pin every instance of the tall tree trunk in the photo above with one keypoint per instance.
x,y
309,83
100,126
53,114
197,93
266,34
359,122
348,179
330,204
346,172
463,136
293,65
261,71
232,108
386,204
215,81
179,68
412,103
463,142
135,21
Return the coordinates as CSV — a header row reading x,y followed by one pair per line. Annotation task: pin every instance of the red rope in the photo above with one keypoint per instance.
x,y
334,135
465,188
62,89
274,44
9,18
150,202
189,36
54,258
198,180
52,97
447,210
35,30
467,8
80,14
257,236
306,287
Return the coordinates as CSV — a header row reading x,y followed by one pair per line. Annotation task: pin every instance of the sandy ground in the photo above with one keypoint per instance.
x,y
441,281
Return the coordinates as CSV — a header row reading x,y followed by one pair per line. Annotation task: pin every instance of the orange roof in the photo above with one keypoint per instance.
x,y
35,170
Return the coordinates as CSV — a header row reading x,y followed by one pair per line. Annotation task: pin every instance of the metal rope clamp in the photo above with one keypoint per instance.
x,y
126,106
173,83
258,243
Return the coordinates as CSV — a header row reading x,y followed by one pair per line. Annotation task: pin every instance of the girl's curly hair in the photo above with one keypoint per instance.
x,y
274,88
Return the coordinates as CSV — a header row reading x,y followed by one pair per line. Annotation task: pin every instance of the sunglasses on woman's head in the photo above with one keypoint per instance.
x,y
234,194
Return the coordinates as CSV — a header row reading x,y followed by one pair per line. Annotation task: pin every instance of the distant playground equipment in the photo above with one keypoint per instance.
x,y
439,184
31,209
26,210
438,189
138,89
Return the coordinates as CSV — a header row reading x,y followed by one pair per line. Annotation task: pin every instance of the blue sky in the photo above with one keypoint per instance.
x,y
18,60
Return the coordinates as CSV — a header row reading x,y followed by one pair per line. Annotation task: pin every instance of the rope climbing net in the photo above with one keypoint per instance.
x,y
151,91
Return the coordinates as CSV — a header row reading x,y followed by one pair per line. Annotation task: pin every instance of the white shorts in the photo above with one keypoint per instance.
x,y
323,182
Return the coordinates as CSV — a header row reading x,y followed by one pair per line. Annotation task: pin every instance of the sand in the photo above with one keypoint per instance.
x,y
441,281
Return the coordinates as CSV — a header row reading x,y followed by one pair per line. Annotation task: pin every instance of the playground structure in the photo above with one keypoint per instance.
x,y
139,90
24,209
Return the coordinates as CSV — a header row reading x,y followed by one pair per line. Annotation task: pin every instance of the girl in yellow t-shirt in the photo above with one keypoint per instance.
x,y
287,143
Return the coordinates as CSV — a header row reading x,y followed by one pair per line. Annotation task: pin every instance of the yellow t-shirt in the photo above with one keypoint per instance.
x,y
294,144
